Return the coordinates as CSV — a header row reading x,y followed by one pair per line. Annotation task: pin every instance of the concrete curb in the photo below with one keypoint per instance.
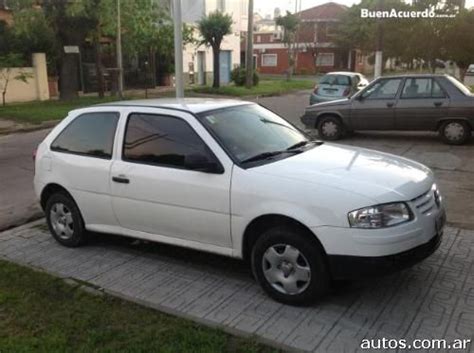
x,y
22,128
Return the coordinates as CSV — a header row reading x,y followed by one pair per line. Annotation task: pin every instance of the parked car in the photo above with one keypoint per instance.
x,y
336,85
410,102
233,178
470,69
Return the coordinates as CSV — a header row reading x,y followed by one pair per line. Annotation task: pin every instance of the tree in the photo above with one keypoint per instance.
x,y
289,22
213,28
7,64
461,50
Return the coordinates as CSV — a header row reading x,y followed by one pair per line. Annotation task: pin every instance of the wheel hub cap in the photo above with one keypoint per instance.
x,y
286,269
454,131
329,129
61,221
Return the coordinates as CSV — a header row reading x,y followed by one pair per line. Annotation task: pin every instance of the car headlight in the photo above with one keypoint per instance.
x,y
380,216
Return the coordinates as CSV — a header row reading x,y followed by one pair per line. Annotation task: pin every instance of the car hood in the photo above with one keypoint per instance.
x,y
325,105
379,176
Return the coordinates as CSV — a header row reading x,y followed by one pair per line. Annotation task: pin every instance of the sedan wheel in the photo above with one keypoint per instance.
x,y
290,265
455,132
330,128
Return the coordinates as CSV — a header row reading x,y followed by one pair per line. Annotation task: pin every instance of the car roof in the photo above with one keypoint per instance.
x,y
414,75
192,105
348,73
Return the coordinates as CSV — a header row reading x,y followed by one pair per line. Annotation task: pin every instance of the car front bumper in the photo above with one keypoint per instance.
x,y
354,267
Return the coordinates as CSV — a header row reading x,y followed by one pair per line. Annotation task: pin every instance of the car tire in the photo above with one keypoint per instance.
x,y
290,267
455,132
330,128
65,221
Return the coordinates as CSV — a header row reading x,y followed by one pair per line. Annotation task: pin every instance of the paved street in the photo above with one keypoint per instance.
x,y
435,299
17,201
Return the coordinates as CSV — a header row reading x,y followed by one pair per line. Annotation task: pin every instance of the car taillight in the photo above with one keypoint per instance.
x,y
347,91
316,89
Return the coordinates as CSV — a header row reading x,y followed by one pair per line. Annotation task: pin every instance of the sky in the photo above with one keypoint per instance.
x,y
266,7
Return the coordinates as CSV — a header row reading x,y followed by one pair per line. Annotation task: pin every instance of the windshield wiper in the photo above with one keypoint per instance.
x,y
302,144
266,155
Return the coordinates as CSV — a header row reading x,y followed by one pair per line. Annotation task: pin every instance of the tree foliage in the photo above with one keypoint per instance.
x,y
213,28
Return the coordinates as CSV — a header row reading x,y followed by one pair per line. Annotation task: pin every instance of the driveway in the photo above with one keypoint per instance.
x,y
452,165
433,300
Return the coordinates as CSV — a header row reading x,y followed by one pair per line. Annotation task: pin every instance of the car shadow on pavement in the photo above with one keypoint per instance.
x,y
341,292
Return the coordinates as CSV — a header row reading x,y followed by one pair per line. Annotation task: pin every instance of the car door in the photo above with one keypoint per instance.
x,y
154,188
422,103
373,109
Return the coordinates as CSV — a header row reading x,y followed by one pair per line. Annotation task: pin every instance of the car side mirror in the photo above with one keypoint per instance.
x,y
202,163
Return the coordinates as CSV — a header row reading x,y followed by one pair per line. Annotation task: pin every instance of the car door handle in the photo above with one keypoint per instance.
x,y
390,104
438,104
121,179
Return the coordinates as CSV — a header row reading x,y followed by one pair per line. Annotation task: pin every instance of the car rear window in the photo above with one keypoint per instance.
x,y
336,80
460,86
90,134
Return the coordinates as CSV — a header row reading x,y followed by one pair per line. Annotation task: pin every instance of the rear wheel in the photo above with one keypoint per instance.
x,y
455,132
64,220
330,128
289,266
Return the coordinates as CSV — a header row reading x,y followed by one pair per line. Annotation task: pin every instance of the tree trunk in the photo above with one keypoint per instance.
x,y
216,66
68,80
462,73
98,62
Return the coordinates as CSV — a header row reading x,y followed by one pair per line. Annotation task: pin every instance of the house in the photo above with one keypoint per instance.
x,y
316,50
198,60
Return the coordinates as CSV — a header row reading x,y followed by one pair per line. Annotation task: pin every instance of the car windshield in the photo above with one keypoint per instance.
x,y
251,133
460,86
335,80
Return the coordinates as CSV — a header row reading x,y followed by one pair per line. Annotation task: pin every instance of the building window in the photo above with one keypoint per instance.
x,y
331,29
325,59
258,39
269,60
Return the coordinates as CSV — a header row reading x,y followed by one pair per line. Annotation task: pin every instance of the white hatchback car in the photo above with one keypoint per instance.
x,y
233,178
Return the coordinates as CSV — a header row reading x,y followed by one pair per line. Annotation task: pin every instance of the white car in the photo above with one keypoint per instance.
x,y
233,178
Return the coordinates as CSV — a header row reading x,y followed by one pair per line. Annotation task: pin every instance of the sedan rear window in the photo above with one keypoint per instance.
x,y
90,134
340,80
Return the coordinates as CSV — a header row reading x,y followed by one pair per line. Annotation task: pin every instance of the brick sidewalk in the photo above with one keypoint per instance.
x,y
435,299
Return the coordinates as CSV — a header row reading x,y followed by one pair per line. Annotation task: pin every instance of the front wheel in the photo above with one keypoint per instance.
x,y
330,128
290,267
455,132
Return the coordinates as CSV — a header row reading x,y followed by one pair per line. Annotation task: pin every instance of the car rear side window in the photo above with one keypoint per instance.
x,y
162,140
422,88
90,134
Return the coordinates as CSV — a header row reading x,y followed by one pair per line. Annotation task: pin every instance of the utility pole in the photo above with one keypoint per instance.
x,y
119,53
378,69
249,52
178,49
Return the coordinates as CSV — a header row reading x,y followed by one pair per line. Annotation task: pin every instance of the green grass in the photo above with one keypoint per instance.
x,y
41,313
264,88
37,112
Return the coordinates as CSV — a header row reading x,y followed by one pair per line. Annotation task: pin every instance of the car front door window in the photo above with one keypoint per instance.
x,y
383,89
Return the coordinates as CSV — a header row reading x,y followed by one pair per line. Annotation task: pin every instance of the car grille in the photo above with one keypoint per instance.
x,y
425,203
